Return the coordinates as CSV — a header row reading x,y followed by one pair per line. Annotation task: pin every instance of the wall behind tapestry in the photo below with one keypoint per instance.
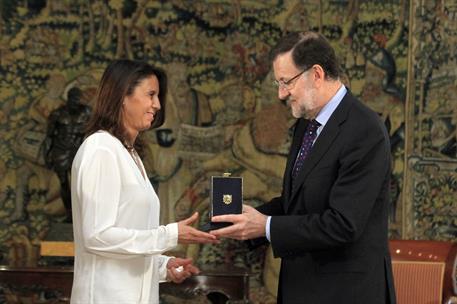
x,y
223,113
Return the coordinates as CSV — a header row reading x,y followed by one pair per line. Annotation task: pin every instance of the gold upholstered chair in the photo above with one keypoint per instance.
x,y
424,271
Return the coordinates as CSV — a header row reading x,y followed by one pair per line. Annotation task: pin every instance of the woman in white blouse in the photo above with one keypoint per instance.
x,y
118,239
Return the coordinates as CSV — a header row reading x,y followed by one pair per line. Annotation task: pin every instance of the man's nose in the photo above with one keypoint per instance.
x,y
283,93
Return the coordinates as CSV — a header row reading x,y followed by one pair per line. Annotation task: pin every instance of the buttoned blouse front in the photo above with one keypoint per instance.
x,y
118,239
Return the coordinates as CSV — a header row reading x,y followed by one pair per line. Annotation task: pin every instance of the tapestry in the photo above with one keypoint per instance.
x,y
431,173
223,113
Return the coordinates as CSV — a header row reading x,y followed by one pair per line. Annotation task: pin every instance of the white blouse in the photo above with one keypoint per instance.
x,y
118,240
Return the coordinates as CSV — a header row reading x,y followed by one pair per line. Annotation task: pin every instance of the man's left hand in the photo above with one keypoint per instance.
x,y
248,225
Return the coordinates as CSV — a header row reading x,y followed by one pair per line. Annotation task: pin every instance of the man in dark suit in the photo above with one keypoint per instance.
x,y
329,226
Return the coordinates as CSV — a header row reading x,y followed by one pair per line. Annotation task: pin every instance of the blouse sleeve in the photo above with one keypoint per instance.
x,y
163,261
98,188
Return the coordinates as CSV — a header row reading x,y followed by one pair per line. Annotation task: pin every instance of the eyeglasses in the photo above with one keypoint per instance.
x,y
288,84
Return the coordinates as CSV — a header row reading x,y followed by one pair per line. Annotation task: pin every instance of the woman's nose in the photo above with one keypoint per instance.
x,y
156,103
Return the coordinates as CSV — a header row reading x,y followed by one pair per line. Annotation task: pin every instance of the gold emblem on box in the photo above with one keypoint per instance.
x,y
227,199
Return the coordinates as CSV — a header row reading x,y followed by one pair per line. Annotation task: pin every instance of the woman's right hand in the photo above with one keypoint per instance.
x,y
189,235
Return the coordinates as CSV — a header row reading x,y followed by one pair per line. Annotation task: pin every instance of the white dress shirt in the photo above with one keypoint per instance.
x,y
118,239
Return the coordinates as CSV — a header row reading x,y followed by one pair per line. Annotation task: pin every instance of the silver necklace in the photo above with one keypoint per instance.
x,y
136,159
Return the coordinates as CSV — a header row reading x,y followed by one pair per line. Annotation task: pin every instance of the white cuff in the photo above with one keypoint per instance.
x,y
163,261
172,230
267,228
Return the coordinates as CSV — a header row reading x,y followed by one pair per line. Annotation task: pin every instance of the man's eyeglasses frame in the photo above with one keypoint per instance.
x,y
288,84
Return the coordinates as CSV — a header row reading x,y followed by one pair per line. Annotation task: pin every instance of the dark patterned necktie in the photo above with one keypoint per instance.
x,y
307,143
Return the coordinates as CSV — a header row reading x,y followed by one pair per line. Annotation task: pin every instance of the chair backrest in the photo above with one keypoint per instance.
x,y
424,271
61,249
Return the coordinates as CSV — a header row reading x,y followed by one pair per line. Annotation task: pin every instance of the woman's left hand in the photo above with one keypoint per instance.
x,y
180,269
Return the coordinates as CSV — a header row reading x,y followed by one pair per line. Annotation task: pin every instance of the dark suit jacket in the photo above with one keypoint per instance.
x,y
331,231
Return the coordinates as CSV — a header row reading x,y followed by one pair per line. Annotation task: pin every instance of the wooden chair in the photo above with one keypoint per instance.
x,y
424,271
60,249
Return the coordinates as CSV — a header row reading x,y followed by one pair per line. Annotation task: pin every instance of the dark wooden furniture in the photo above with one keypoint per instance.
x,y
35,279
218,284
424,271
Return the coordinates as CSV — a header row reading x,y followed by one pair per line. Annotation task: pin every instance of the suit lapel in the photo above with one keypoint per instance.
x,y
320,147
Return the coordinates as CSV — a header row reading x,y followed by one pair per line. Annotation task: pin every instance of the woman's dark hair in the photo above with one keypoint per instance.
x,y
118,81
308,49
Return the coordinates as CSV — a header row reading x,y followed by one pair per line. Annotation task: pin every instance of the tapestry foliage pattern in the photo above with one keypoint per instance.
x,y
223,114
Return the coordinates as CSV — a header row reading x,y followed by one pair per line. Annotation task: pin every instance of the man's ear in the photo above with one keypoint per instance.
x,y
318,74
